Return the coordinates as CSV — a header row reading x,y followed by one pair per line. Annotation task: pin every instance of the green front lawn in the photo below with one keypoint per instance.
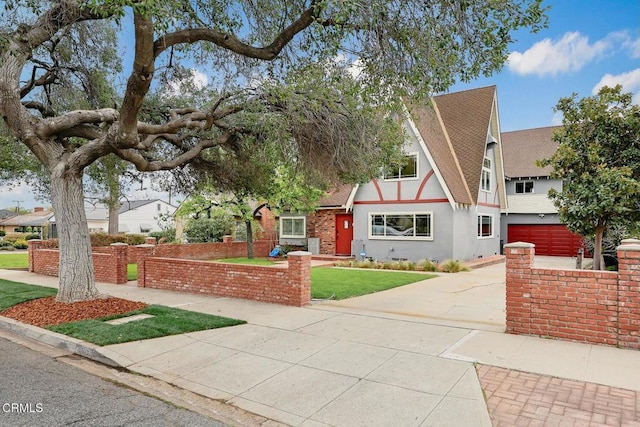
x,y
165,321
340,283
11,260
132,271
12,293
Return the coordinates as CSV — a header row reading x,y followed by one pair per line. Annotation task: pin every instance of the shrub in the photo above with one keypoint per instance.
x,y
5,243
7,248
3,233
452,266
164,236
211,229
20,244
104,239
427,265
32,236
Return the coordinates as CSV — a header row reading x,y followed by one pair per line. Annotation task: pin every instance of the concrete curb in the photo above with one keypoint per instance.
x,y
70,344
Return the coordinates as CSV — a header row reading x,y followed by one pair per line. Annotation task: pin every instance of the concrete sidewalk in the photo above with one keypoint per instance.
x,y
361,362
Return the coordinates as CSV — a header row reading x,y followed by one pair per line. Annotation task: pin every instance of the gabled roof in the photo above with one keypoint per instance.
x,y
455,129
135,204
523,147
5,213
341,197
38,219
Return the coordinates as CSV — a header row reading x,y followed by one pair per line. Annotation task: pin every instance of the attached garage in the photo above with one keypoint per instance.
x,y
550,239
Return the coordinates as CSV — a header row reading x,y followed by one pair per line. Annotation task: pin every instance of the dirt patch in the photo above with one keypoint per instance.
x,y
47,311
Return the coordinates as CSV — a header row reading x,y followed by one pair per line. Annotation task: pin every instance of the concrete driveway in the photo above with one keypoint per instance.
x,y
473,299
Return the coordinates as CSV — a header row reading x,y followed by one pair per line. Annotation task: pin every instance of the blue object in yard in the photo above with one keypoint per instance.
x,y
275,252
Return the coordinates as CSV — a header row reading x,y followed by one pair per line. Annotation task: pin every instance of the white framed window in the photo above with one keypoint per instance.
x,y
485,226
293,227
408,170
401,225
523,187
485,182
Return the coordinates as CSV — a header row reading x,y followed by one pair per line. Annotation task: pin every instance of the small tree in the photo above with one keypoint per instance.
x,y
598,159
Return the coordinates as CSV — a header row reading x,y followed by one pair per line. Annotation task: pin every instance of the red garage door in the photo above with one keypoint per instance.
x,y
550,239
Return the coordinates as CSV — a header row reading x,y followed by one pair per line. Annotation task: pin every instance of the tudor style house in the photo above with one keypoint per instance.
x,y
445,202
530,215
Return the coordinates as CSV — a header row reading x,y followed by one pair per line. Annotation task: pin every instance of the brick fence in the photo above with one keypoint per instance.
x,y
597,307
273,284
110,264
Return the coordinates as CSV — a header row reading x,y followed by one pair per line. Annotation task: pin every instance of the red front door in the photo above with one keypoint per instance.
x,y
344,233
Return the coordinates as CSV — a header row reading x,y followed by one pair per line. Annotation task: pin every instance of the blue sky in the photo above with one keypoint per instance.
x,y
588,43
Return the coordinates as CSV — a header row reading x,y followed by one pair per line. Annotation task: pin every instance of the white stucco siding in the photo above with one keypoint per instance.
x,y
144,219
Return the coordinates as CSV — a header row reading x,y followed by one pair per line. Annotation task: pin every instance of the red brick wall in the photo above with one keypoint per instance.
x,y
599,307
208,251
274,284
322,224
109,263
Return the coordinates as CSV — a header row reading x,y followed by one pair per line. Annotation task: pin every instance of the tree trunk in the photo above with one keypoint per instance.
x,y
249,238
114,212
597,247
77,280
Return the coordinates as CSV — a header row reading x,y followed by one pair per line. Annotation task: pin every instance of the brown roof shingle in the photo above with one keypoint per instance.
x,y
466,116
336,198
522,148
455,131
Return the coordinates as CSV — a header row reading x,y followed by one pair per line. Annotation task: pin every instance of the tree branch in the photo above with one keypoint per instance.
x,y
233,43
55,126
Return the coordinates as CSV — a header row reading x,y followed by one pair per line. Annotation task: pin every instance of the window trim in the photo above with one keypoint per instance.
x,y
293,236
414,154
479,226
486,170
407,238
524,187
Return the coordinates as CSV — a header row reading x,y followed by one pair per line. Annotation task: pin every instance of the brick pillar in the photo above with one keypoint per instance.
x,y
142,253
629,294
519,263
119,264
299,277
226,241
150,240
34,245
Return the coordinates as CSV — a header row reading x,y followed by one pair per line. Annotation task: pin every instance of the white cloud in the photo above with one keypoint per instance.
x,y
195,81
568,54
629,81
556,120
633,45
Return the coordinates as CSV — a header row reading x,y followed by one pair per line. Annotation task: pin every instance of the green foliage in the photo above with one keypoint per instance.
x,y
7,248
20,244
3,233
200,230
165,236
32,236
428,265
598,159
104,239
6,243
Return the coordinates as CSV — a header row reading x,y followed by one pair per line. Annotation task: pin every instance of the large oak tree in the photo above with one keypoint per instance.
x,y
280,69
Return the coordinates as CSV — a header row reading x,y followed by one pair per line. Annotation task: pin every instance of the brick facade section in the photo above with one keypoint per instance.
x,y
322,224
272,284
596,307
109,263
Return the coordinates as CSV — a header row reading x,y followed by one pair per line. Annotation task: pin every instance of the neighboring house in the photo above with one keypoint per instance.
x,y
328,230
35,222
97,218
5,213
444,203
143,216
530,215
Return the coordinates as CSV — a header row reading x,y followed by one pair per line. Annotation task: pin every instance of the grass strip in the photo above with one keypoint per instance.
x,y
12,293
19,260
166,321
339,283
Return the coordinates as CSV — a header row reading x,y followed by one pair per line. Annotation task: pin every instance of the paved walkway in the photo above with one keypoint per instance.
x,y
364,362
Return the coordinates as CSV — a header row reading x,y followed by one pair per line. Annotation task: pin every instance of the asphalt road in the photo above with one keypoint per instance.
x,y
36,390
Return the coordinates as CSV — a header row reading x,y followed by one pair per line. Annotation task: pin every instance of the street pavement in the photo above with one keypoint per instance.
x,y
37,390
410,356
